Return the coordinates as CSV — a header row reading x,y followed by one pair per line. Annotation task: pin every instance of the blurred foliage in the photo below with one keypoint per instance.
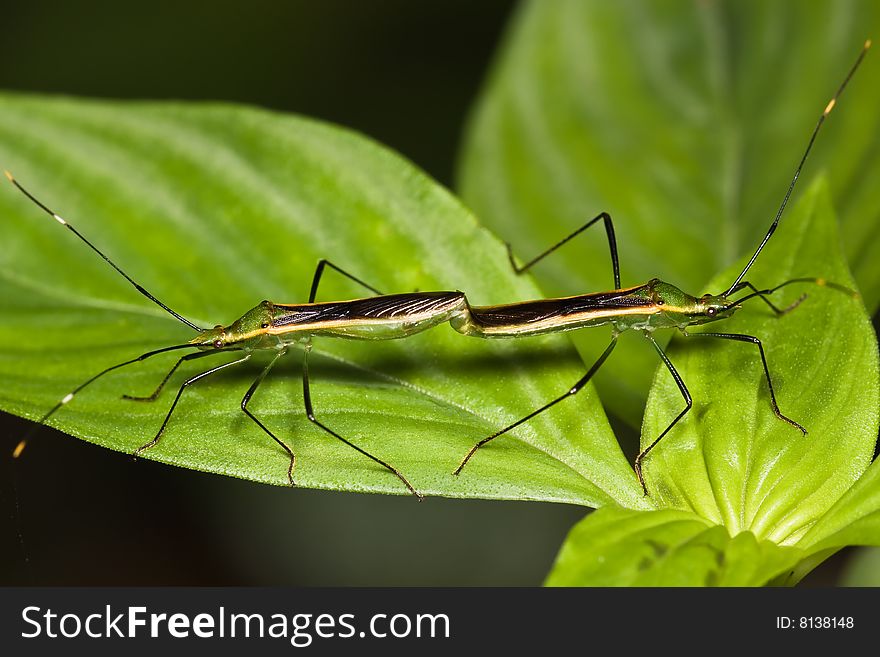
x,y
619,547
863,568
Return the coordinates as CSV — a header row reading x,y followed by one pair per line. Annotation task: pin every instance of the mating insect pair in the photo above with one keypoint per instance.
x,y
644,308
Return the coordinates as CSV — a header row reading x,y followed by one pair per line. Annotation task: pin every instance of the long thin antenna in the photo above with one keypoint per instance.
x,y
825,113
19,448
139,288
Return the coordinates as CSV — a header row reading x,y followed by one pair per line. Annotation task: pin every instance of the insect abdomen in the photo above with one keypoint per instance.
x,y
554,315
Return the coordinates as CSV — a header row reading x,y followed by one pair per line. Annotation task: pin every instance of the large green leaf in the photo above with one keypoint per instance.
x,y
853,520
622,547
730,468
731,460
216,207
685,121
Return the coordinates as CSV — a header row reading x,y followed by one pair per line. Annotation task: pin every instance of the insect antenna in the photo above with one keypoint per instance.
x,y
800,166
138,287
19,448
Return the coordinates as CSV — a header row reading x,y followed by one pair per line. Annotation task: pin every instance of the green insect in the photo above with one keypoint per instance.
x,y
644,308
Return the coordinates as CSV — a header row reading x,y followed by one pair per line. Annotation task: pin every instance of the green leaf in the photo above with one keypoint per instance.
x,y
730,467
853,520
215,207
684,120
731,460
621,547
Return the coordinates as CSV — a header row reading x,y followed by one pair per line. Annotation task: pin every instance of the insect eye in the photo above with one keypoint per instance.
x,y
711,312
218,343
264,325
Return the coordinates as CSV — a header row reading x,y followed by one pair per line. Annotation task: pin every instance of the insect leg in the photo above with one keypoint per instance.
x,y
183,387
310,413
739,337
821,282
688,404
319,271
762,294
570,392
247,398
19,448
179,362
612,245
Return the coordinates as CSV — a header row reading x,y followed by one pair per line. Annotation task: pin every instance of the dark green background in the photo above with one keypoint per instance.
x,y
405,73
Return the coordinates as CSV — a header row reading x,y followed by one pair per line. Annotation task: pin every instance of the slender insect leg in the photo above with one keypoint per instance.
x,y
183,387
19,448
612,245
688,404
310,413
821,282
247,398
319,271
179,362
762,294
739,337
570,392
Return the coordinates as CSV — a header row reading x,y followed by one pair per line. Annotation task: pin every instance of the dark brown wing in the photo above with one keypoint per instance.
x,y
388,306
529,312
